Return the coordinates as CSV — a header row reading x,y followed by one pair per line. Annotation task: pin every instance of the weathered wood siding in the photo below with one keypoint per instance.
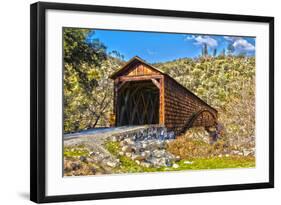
x,y
180,105
139,69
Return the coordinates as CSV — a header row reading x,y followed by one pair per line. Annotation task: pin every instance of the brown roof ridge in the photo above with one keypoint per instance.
x,y
135,58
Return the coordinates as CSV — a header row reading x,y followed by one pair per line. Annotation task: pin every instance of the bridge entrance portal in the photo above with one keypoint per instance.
x,y
138,103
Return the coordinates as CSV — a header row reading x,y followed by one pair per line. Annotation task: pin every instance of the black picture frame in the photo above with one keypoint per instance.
x,y
38,101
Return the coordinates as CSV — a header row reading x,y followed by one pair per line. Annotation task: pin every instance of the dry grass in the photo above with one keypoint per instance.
x,y
188,148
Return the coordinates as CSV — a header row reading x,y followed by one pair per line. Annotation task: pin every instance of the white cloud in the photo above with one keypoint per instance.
x,y
189,37
210,42
243,45
231,38
200,40
240,43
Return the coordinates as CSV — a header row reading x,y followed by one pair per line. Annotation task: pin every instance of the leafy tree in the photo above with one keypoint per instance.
x,y
85,98
117,54
78,52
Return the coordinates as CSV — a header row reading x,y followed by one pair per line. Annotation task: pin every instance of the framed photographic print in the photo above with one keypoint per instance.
x,y
129,102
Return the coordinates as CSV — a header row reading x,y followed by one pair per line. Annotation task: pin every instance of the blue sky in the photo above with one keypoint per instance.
x,y
160,47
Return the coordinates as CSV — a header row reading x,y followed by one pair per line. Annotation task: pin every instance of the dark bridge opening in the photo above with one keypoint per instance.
x,y
138,103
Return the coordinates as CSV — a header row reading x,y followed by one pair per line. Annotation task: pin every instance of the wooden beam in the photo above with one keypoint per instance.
x,y
139,78
162,102
156,83
120,85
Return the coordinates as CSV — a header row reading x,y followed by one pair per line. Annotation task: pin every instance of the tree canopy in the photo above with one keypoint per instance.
x,y
86,88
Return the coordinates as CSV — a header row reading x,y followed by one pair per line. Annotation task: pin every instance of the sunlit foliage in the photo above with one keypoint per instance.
x,y
87,89
226,83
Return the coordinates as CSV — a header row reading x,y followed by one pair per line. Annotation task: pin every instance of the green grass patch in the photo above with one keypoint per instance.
x,y
75,151
216,163
130,166
113,147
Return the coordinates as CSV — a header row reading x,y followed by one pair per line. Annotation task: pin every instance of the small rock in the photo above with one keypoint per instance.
x,y
177,158
114,139
141,150
168,163
145,164
146,153
158,153
111,164
123,143
138,157
93,170
83,159
175,166
128,154
128,141
188,162
235,152
75,165
133,149
246,152
144,145
67,166
126,148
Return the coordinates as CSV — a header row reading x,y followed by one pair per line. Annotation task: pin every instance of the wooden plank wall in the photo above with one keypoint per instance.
x,y
139,69
180,106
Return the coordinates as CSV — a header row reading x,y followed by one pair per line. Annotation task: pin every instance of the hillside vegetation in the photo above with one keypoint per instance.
x,y
228,84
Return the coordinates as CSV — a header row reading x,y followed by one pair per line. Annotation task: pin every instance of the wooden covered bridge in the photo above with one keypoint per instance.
x,y
145,95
